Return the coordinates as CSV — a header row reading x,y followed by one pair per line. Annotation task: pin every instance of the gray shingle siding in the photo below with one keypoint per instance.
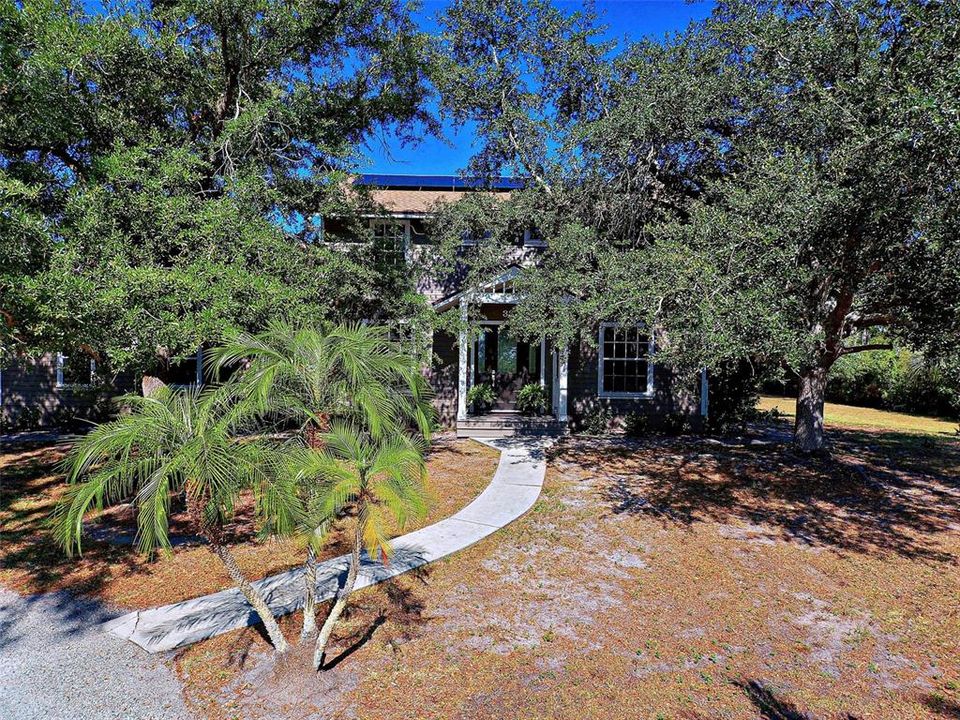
x,y
668,396
30,397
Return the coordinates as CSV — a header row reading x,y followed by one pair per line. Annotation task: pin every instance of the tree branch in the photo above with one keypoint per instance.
x,y
863,348
865,320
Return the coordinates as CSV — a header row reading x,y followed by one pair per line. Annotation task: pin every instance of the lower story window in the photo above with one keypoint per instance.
x,y
75,370
626,367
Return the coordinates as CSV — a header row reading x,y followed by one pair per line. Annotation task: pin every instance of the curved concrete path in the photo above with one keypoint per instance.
x,y
515,487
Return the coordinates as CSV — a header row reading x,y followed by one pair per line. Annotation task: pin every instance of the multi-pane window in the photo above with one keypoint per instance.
x,y
390,239
420,232
533,238
75,369
625,363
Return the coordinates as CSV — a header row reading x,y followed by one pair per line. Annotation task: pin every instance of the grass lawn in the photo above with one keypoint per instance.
x,y
836,414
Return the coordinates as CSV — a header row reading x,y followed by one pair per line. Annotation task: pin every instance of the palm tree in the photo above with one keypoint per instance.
x,y
371,484
307,375
178,443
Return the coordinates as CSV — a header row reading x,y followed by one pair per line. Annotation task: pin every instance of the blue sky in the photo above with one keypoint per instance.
x,y
626,19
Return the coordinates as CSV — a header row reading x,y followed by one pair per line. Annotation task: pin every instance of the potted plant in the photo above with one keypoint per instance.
x,y
532,400
480,398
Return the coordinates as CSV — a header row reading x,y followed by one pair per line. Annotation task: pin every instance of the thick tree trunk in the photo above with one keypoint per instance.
x,y
309,595
253,597
808,431
340,603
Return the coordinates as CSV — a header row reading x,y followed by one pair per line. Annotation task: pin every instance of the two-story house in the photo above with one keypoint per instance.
x,y
610,372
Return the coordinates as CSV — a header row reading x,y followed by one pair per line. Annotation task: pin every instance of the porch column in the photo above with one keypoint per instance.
x,y
562,384
543,362
464,361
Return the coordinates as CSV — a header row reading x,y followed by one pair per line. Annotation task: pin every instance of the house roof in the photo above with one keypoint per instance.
x,y
438,182
419,194
501,285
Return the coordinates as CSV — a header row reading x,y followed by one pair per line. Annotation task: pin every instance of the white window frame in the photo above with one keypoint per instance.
x,y
401,222
530,240
61,362
648,393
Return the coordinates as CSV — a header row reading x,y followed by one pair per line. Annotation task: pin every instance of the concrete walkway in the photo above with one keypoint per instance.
x,y
513,490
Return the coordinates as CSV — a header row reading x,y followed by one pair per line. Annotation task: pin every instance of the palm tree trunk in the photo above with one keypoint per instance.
x,y
253,597
341,601
309,595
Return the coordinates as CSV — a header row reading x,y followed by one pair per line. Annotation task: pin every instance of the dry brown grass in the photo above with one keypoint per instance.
x,y
664,578
30,562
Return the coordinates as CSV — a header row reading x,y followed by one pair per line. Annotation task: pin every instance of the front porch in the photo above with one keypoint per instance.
x,y
488,354
509,423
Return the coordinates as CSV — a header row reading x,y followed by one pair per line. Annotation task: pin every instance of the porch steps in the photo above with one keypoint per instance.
x,y
508,424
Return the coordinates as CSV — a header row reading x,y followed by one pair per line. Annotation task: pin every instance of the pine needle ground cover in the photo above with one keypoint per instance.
x,y
30,562
669,578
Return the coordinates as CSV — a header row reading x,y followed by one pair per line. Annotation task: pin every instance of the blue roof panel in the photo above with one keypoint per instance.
x,y
439,182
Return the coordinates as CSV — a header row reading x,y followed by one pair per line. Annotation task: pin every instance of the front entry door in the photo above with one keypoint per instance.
x,y
506,364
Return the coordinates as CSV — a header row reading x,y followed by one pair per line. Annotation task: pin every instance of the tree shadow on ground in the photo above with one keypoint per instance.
x,y
390,613
873,493
31,483
943,707
766,700
396,604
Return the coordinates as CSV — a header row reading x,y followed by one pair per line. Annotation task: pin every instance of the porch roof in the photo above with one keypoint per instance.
x,y
497,290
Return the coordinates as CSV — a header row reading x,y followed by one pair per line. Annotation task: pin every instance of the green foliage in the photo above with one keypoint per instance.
x,y
308,374
161,167
597,421
764,186
896,380
172,443
637,424
676,423
481,397
734,393
374,482
533,399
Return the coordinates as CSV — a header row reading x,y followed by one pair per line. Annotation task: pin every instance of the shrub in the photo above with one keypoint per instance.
x,y
532,399
636,424
598,421
734,393
896,380
481,397
676,423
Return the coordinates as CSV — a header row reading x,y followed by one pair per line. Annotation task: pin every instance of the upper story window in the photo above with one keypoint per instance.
x,y
533,238
390,239
419,232
626,362
75,370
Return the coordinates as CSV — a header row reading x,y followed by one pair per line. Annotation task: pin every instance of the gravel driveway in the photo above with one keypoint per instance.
x,y
56,663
